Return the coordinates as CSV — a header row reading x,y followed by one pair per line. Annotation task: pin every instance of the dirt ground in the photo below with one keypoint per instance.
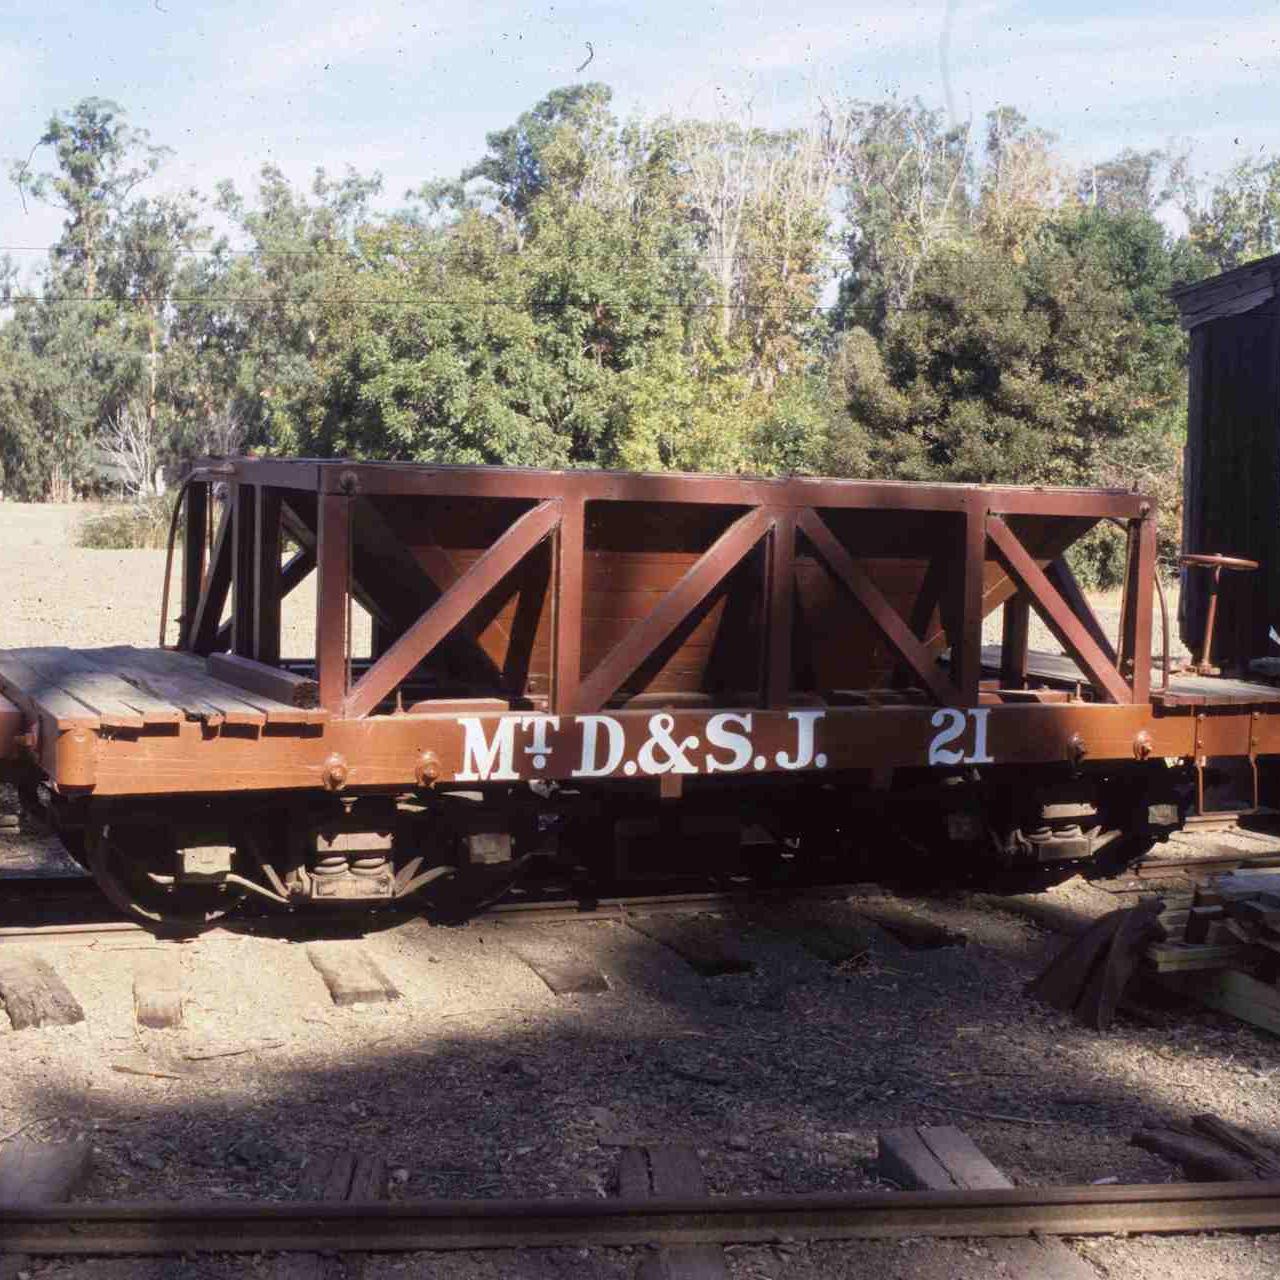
x,y
480,1082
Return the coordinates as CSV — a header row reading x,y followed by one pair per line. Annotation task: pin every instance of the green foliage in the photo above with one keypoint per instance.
x,y
648,294
1241,219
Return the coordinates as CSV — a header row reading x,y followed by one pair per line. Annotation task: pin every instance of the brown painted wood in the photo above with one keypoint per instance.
x,y
349,973
1136,624
157,993
966,644
878,609
206,624
1059,573
333,565
271,682
697,583
1073,636
294,572
1013,643
194,548
528,483
42,1172
569,574
781,603
34,996
244,560
405,582
267,577
451,609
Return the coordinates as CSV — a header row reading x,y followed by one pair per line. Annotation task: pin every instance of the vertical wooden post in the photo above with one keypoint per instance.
x,y
333,573
1013,646
570,570
266,584
781,609
966,644
1135,627
194,541
243,557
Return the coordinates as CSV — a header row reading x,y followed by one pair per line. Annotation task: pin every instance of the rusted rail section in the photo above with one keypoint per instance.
x,y
151,1228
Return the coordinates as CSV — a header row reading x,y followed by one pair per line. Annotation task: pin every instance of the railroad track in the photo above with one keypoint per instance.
x,y
84,896
151,1228
54,898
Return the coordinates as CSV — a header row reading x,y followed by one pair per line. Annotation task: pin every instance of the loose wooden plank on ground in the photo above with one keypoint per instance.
x,y
34,996
706,945
157,993
1233,992
351,976
556,962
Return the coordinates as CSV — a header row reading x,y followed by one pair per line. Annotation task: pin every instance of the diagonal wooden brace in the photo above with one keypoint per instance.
x,y
885,617
1072,634
452,607
699,580
204,629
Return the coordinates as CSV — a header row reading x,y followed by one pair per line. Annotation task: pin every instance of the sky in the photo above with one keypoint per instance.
x,y
410,89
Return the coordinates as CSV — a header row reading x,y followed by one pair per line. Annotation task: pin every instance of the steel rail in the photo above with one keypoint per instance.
x,y
239,1227
549,911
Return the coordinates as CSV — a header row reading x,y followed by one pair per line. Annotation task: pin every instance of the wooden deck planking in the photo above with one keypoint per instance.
x,y
31,690
116,701
1184,690
185,679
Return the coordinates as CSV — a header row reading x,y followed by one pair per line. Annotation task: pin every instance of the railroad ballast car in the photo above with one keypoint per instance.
x,y
583,661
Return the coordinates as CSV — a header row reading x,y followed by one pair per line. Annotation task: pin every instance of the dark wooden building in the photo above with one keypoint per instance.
x,y
1232,476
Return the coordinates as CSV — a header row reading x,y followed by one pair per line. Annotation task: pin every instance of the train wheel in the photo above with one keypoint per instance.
x,y
133,864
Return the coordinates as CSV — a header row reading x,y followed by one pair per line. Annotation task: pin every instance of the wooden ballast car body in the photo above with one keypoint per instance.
x,y
555,657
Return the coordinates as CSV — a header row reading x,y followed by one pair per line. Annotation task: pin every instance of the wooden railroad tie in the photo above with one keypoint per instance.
x,y
350,974
1211,1150
33,1173
561,966
708,946
943,1158
667,1173
157,992
342,1175
34,996
824,936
